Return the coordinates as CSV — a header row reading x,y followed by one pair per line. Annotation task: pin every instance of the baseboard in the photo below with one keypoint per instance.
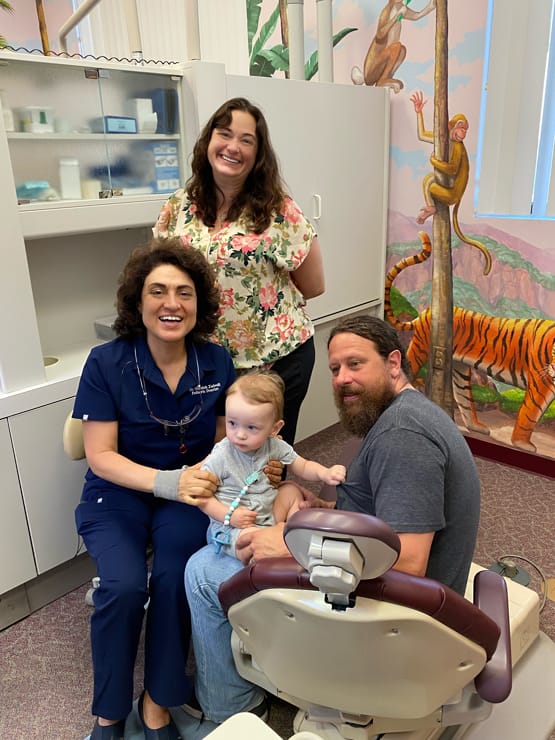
x,y
490,450
33,595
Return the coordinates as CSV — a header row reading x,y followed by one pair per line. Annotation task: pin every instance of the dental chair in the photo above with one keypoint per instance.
x,y
365,651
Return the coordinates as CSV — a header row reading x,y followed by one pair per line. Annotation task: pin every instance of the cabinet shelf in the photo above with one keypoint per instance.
x,y
55,218
91,137
145,166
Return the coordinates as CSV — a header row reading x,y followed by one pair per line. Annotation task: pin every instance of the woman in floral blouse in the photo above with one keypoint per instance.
x,y
235,210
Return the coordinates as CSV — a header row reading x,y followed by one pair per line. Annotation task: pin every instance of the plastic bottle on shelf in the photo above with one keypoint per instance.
x,y
7,112
70,180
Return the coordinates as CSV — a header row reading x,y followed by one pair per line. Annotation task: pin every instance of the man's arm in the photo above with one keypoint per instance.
x,y
264,542
415,551
407,477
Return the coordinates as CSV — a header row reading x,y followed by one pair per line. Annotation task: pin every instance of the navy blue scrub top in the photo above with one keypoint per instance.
x,y
110,390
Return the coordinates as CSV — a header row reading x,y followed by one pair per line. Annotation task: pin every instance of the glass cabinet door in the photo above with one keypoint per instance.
x,y
80,132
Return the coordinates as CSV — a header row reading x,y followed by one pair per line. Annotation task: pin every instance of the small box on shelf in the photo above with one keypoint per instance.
x,y
114,125
104,327
36,119
158,163
166,106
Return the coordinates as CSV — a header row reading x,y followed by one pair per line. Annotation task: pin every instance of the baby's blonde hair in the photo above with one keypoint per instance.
x,y
261,386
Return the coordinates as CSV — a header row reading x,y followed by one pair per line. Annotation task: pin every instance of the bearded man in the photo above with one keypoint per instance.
x,y
413,470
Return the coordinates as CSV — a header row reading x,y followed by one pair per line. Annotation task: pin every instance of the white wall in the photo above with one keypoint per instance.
x,y
172,30
513,105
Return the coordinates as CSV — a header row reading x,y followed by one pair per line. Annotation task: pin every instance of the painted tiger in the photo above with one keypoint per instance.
x,y
519,352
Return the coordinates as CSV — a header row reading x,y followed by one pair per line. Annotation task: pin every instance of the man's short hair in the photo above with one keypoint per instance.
x,y
384,336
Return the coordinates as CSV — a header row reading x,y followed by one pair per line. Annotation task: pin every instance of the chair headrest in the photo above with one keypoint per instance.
x,y
307,531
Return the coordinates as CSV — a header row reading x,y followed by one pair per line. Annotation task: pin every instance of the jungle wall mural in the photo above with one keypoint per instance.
x,y
500,272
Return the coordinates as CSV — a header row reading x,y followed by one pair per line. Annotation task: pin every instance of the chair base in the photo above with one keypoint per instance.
x,y
528,712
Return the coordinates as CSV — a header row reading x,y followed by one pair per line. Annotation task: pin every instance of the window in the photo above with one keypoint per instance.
x,y
515,174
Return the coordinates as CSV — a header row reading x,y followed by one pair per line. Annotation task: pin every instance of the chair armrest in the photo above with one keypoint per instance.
x,y
494,682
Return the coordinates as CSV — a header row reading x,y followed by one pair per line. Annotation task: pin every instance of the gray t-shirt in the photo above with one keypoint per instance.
x,y
415,471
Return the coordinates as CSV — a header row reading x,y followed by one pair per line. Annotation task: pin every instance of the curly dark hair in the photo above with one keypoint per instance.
x,y
263,191
142,261
384,336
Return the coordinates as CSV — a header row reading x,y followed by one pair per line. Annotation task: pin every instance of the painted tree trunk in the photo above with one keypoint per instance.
x,y
440,386
42,27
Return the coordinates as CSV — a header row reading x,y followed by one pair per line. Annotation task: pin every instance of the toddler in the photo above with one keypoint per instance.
x,y
245,497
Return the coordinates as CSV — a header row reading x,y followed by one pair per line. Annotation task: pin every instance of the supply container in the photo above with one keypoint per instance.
x,y
7,112
36,119
70,180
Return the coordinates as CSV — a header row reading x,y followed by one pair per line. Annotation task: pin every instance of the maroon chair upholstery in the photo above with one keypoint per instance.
x,y
422,594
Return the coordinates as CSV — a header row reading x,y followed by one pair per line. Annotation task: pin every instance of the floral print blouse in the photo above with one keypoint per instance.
x,y
262,313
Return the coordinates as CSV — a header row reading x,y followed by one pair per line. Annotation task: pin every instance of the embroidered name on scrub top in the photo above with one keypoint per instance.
x,y
210,388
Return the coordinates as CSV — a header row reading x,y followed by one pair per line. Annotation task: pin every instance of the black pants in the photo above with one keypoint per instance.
x,y
295,371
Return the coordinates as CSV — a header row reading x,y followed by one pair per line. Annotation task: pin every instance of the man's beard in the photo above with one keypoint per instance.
x,y
359,418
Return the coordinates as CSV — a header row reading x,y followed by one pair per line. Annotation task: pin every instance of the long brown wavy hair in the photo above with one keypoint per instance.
x,y
143,259
263,191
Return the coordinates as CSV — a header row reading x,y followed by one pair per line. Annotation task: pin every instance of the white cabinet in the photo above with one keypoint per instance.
x,y
16,555
120,127
61,253
40,488
51,484
115,128
332,142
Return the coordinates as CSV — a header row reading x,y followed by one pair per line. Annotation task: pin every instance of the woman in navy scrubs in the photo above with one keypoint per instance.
x,y
152,403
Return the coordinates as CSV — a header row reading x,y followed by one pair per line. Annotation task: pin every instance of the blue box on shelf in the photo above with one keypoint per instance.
x,y
157,163
114,125
165,105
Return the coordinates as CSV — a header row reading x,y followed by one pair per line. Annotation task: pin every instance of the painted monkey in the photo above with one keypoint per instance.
x,y
456,169
386,52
